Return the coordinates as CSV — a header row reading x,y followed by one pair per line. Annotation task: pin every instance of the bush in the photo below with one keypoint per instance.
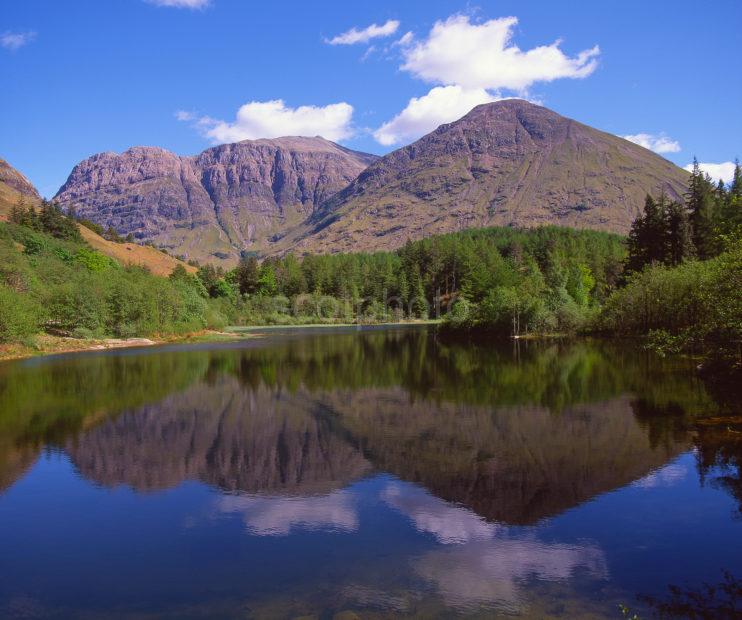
x,y
19,316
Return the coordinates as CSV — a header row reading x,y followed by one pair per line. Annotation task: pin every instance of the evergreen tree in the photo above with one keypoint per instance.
x,y
246,275
735,188
679,236
700,202
647,236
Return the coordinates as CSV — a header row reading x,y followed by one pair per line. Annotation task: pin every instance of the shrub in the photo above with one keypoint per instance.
x,y
19,316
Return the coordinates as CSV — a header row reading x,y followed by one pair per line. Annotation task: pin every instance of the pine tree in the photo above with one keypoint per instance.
x,y
679,236
647,236
247,275
700,201
735,188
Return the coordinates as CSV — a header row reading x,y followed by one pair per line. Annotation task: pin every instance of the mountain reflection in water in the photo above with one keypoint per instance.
x,y
446,461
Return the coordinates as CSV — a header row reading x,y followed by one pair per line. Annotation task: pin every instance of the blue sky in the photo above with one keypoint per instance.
x,y
85,76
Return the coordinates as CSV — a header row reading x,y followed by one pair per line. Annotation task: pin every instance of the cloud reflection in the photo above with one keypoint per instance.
x,y
667,476
280,516
447,522
482,563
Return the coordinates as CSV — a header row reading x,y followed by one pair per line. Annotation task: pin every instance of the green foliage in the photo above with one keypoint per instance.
x,y
66,287
697,304
19,315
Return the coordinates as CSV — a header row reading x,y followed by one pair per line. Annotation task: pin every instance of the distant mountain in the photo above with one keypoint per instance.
x,y
507,163
210,207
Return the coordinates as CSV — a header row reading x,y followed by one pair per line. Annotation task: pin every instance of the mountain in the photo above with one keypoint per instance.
x,y
213,205
16,189
508,163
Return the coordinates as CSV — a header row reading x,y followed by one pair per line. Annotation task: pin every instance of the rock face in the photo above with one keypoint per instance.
x,y
211,206
505,163
13,179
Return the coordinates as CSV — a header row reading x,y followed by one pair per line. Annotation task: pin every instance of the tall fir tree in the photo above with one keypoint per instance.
x,y
647,236
678,234
700,203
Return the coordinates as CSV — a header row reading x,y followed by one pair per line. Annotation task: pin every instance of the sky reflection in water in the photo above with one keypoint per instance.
x,y
382,472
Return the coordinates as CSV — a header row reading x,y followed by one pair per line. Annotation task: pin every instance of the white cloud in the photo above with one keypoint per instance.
x,y
181,4
273,119
442,104
353,36
657,143
15,40
723,171
185,115
406,39
457,51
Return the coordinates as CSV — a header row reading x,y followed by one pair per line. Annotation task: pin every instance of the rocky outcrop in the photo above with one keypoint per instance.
x,y
210,207
508,163
14,180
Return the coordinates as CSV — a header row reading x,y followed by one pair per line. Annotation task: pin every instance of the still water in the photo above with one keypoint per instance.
x,y
369,474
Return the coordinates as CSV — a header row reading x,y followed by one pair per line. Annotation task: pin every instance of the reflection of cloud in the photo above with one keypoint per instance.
x,y
487,563
448,523
278,516
666,476
489,573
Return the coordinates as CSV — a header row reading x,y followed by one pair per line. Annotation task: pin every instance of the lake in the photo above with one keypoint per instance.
x,y
344,473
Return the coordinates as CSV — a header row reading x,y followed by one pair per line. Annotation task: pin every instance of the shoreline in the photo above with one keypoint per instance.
x,y
46,345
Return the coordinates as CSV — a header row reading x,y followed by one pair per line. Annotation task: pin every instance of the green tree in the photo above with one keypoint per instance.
x,y
679,235
700,203
246,275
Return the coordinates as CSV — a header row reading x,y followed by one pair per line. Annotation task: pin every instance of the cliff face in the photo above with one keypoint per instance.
x,y
211,206
506,163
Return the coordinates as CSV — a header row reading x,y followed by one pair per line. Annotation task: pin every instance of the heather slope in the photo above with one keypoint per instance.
x,y
505,163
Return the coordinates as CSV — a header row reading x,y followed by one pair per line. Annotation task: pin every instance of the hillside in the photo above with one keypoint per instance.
x,y
16,189
506,163
215,204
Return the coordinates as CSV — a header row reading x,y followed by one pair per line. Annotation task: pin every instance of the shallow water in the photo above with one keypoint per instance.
x,y
376,472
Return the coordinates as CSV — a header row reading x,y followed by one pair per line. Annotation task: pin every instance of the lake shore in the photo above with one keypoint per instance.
x,y
47,344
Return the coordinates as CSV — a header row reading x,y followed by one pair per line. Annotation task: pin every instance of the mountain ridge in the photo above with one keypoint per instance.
x,y
507,163
214,204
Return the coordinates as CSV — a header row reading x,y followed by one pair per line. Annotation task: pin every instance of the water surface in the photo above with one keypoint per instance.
x,y
379,472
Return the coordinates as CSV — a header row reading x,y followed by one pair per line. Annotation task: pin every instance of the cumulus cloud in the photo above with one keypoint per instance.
x,y
723,171
273,119
16,40
182,4
473,64
657,143
442,104
457,51
353,36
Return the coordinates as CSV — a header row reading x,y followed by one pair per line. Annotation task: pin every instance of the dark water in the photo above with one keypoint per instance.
x,y
378,473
